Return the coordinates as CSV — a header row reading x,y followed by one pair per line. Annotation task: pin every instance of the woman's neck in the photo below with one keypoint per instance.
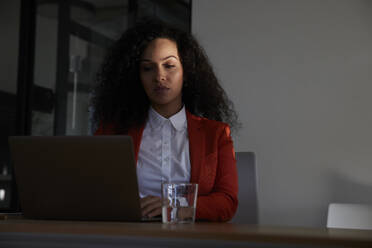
x,y
167,110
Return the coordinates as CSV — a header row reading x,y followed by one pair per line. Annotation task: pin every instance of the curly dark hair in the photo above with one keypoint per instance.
x,y
119,97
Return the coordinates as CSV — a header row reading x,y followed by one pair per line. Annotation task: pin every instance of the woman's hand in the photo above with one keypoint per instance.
x,y
150,206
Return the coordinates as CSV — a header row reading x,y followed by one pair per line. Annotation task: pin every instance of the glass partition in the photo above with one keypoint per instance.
x,y
72,38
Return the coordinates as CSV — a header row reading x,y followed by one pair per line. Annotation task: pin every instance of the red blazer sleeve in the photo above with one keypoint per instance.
x,y
221,202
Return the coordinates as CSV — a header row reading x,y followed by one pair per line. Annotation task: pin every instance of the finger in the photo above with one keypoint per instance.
x,y
151,207
155,212
185,213
148,200
154,209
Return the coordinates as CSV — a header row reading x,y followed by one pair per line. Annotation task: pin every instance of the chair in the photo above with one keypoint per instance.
x,y
351,216
247,212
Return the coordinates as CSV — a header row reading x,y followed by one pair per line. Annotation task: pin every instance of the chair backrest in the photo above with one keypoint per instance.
x,y
247,212
353,216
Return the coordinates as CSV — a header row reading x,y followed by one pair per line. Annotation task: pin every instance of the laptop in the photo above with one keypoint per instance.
x,y
76,177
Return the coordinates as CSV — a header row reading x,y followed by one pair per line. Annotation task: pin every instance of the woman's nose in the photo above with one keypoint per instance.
x,y
160,75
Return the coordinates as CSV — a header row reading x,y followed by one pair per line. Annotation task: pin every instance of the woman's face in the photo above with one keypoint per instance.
x,y
161,74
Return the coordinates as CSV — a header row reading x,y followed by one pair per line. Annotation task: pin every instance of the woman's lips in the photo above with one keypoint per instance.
x,y
161,89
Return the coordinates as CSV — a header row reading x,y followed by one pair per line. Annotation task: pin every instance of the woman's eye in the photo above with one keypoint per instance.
x,y
169,66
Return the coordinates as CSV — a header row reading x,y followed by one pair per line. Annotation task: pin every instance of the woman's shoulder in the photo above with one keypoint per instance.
x,y
211,129
208,123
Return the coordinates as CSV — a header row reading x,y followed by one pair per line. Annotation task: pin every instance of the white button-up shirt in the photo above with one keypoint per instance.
x,y
164,152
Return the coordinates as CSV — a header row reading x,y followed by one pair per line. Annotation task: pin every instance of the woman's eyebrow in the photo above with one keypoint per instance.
x,y
171,56
149,60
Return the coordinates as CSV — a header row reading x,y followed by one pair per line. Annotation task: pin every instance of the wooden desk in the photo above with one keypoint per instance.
x,y
35,233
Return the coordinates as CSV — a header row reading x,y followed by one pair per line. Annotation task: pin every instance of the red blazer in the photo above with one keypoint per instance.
x,y
213,165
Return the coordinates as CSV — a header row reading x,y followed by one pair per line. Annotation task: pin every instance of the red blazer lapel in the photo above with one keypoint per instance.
x,y
196,145
136,134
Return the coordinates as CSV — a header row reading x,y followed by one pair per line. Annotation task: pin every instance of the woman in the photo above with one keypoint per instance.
x,y
158,86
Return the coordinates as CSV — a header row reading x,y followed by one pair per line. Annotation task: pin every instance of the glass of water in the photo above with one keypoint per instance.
x,y
179,202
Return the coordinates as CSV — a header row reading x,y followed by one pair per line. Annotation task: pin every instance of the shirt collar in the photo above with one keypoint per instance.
x,y
155,120
178,120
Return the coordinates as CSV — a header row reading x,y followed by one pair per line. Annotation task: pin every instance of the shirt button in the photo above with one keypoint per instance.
x,y
166,159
